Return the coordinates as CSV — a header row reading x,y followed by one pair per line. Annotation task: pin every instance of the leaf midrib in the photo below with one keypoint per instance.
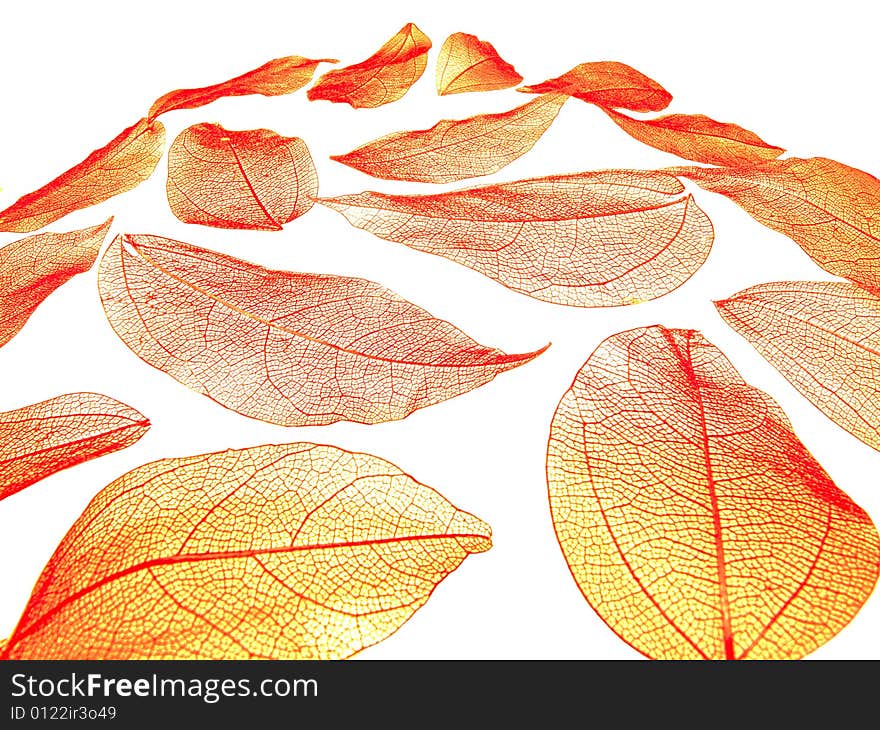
x,y
294,333
231,555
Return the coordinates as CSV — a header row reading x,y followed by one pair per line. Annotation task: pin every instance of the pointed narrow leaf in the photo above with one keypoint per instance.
x,y
275,78
457,149
287,348
254,179
122,164
829,209
608,84
383,77
692,518
467,63
592,239
824,336
699,138
296,551
40,439
32,268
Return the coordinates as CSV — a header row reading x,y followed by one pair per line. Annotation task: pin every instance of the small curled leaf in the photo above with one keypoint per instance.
x,y
34,267
121,165
382,78
608,84
254,179
466,63
699,138
40,439
274,78
457,149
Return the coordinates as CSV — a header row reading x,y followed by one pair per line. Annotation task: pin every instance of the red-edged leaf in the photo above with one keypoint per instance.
x,y
591,239
287,348
699,138
467,63
382,78
254,179
824,336
40,439
121,165
275,78
608,84
32,268
694,521
829,209
457,149
297,551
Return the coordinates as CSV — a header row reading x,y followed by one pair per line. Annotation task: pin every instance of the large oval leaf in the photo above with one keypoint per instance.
x,y
40,439
824,336
693,519
297,551
457,149
32,268
254,179
382,78
122,164
287,348
829,209
466,63
592,239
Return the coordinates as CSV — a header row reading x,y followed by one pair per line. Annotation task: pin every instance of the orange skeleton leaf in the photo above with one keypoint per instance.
x,y
287,348
40,439
591,239
275,78
692,518
467,63
32,268
824,336
608,84
296,551
121,165
253,179
829,209
457,149
384,77
697,137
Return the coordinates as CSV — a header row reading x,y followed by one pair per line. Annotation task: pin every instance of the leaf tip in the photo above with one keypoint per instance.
x,y
524,357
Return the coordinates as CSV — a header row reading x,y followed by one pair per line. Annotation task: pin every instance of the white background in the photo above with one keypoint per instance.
x,y
802,76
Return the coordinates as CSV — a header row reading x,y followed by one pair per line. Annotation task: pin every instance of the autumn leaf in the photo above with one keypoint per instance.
x,y
591,239
829,209
275,78
824,336
32,268
254,179
296,551
382,78
457,149
40,439
467,63
692,518
608,84
121,165
287,348
699,138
